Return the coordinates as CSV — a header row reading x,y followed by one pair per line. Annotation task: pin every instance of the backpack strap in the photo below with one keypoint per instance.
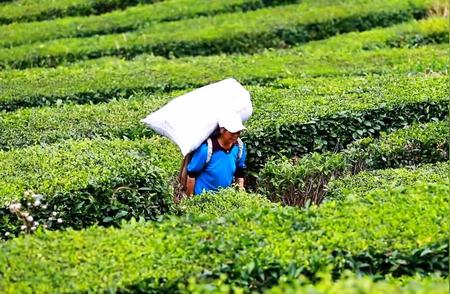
x,y
210,151
241,148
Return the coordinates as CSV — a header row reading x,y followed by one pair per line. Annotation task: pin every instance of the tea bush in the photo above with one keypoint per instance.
x,y
349,284
225,33
424,143
95,215
408,34
107,78
120,79
299,119
117,119
86,182
34,10
289,123
254,247
302,181
364,182
119,21
220,203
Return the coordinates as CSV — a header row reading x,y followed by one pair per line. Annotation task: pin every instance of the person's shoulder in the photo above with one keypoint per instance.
x,y
203,147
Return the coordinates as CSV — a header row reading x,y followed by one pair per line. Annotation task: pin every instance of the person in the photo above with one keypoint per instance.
x,y
226,162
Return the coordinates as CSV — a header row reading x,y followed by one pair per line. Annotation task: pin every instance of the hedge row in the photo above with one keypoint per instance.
x,y
106,78
349,284
225,33
364,182
220,203
47,125
410,34
111,78
84,183
357,285
36,10
121,21
302,123
293,126
289,122
398,232
302,181
423,143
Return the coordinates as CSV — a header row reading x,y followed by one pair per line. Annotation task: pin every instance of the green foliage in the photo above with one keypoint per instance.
x,y
406,35
33,10
302,181
88,182
329,123
398,232
364,182
119,21
117,119
348,284
107,78
212,204
352,284
315,114
387,224
225,33
424,143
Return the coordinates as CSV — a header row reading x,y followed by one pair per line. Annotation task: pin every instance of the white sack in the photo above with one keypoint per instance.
x,y
189,119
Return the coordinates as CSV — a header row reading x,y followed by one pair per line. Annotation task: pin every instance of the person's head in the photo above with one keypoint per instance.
x,y
230,127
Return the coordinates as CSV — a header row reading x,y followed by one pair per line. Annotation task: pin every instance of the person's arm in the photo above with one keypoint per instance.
x,y
241,169
190,186
194,167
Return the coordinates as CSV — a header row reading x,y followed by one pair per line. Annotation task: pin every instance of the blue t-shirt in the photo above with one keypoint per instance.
x,y
220,170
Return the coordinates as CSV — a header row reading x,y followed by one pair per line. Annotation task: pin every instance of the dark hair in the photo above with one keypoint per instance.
x,y
215,133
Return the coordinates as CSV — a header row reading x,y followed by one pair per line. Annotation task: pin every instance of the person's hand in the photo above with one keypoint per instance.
x,y
240,184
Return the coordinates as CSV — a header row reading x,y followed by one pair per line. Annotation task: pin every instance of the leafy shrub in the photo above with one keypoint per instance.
x,y
119,21
353,284
298,182
108,78
117,119
396,231
32,10
404,35
227,33
426,143
312,115
364,182
220,203
334,132
85,183
349,283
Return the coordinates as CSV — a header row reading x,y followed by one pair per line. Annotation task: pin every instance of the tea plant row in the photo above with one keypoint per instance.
x,y
107,78
254,247
36,10
237,32
118,21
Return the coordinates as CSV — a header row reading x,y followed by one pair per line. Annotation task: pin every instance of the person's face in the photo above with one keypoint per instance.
x,y
229,137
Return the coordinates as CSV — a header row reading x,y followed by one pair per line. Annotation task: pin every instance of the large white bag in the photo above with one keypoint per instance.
x,y
189,119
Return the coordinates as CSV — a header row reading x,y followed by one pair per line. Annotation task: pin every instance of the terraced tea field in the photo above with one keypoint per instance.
x,y
347,183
